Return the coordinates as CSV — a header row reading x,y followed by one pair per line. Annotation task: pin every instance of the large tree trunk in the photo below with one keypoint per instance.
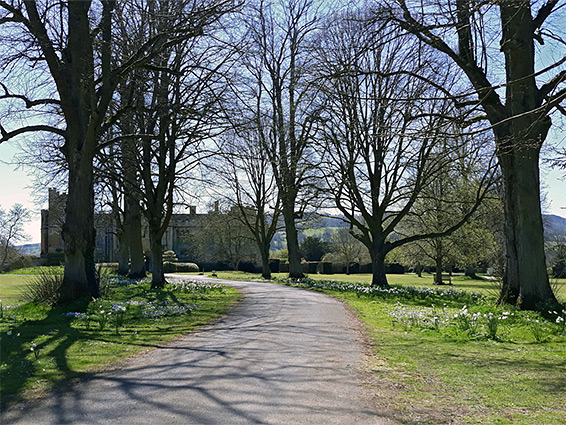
x,y
75,83
265,269
438,272
419,270
519,141
377,254
439,266
79,279
295,270
526,281
123,252
520,127
157,273
133,228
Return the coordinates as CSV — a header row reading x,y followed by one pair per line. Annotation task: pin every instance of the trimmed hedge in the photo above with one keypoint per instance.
x,y
169,267
186,267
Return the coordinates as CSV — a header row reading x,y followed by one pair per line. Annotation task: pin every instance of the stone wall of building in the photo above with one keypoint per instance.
x,y
51,223
176,238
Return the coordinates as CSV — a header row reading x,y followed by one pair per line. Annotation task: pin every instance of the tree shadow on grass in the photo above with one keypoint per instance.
x,y
50,338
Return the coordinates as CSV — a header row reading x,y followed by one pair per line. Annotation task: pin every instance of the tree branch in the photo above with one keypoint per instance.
x,y
543,13
7,135
551,85
29,103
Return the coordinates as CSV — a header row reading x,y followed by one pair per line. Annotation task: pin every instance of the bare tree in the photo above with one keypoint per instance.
x,y
517,91
175,122
251,188
226,237
72,45
346,248
11,230
276,67
388,134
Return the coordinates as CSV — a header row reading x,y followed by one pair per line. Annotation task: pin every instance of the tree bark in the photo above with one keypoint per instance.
x,y
133,229
419,270
157,272
123,252
438,272
75,82
438,260
295,270
526,282
519,142
520,127
78,233
377,254
265,269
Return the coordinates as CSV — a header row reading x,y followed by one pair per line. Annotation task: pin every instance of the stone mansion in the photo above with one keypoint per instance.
x,y
176,238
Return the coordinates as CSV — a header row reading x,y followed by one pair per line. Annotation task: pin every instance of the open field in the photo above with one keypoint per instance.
x,y
37,270
11,284
11,287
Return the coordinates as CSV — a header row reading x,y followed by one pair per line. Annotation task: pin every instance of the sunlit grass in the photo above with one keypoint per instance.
x,y
39,270
11,287
488,287
439,378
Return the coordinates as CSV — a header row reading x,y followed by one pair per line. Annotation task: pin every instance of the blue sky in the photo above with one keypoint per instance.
x,y
16,188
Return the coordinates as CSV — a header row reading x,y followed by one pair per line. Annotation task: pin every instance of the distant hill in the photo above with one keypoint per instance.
x,y
32,249
331,221
554,226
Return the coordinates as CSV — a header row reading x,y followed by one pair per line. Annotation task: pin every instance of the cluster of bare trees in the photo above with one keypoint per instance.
x,y
12,232
379,111
95,63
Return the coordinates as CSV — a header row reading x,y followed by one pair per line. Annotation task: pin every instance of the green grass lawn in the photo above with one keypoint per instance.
x,y
11,287
510,380
481,286
43,347
38,270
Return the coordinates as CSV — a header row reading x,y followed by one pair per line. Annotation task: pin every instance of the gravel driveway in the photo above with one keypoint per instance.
x,y
281,356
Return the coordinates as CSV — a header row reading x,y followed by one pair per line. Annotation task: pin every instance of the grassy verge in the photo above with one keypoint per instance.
x,y
11,287
42,347
483,286
38,270
447,359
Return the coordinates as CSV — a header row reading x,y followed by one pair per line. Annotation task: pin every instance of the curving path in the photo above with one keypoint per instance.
x,y
282,356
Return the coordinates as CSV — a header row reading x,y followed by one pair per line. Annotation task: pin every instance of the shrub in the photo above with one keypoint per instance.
x,y
324,267
394,268
312,267
55,259
21,262
108,267
170,256
43,288
247,266
314,248
186,267
274,265
169,267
